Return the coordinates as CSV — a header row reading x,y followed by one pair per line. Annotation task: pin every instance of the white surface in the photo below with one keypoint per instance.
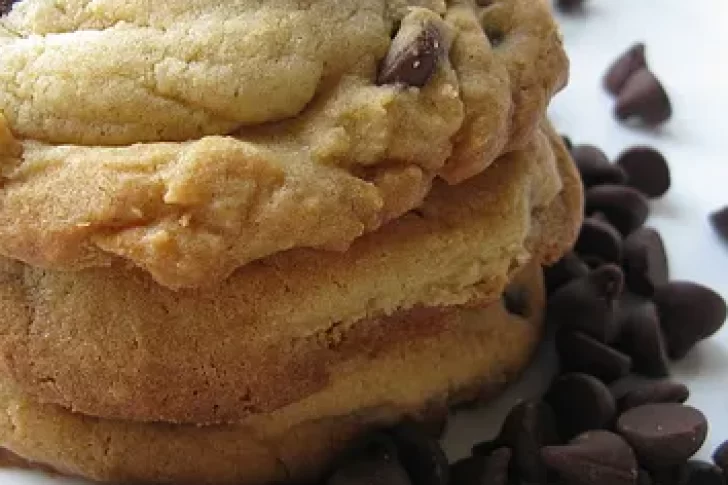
x,y
687,47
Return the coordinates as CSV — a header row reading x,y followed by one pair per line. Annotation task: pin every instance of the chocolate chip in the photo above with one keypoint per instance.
x,y
667,475
569,5
641,338
482,470
468,471
495,35
485,448
643,477
626,208
650,392
515,300
413,56
599,238
719,221
697,472
569,267
420,454
485,3
529,426
663,434
594,458
587,303
581,402
579,352
720,456
496,467
689,313
595,168
623,68
594,262
374,464
645,261
567,142
6,6
647,170
643,98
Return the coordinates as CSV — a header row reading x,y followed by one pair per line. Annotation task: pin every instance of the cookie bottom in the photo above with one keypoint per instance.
x,y
481,350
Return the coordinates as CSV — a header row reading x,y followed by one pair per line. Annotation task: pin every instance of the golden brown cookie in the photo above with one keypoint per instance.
x,y
110,342
190,138
474,353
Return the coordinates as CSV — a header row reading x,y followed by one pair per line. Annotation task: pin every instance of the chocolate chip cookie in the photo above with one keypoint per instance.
x,y
191,138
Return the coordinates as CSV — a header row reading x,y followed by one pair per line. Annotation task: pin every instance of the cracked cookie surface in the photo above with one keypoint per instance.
x,y
110,342
190,138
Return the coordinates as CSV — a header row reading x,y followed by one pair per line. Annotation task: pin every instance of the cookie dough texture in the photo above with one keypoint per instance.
x,y
470,353
110,342
191,138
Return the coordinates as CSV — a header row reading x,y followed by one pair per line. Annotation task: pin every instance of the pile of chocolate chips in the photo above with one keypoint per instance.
x,y
612,416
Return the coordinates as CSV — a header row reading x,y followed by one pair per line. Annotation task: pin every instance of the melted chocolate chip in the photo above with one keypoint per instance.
x,y
412,59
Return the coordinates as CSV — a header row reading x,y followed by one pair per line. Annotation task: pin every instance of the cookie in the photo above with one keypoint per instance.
x,y
189,139
110,342
480,350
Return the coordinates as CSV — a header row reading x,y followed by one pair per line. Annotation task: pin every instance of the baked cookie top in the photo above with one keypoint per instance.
x,y
193,137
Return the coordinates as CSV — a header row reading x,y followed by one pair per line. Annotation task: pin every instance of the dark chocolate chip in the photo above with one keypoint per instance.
x,y
579,352
645,261
496,467
529,426
640,393
485,448
567,142
643,477
569,5
420,454
485,3
720,456
468,471
413,57
6,6
623,68
626,208
587,303
646,169
568,268
697,472
594,458
495,36
719,221
599,238
581,402
482,470
515,300
595,168
663,434
689,313
641,338
643,98
666,475
373,465
594,262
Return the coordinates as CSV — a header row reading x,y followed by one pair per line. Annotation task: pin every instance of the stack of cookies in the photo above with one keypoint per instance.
x,y
236,234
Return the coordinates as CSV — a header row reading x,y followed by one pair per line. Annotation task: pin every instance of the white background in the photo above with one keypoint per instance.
x,y
687,47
